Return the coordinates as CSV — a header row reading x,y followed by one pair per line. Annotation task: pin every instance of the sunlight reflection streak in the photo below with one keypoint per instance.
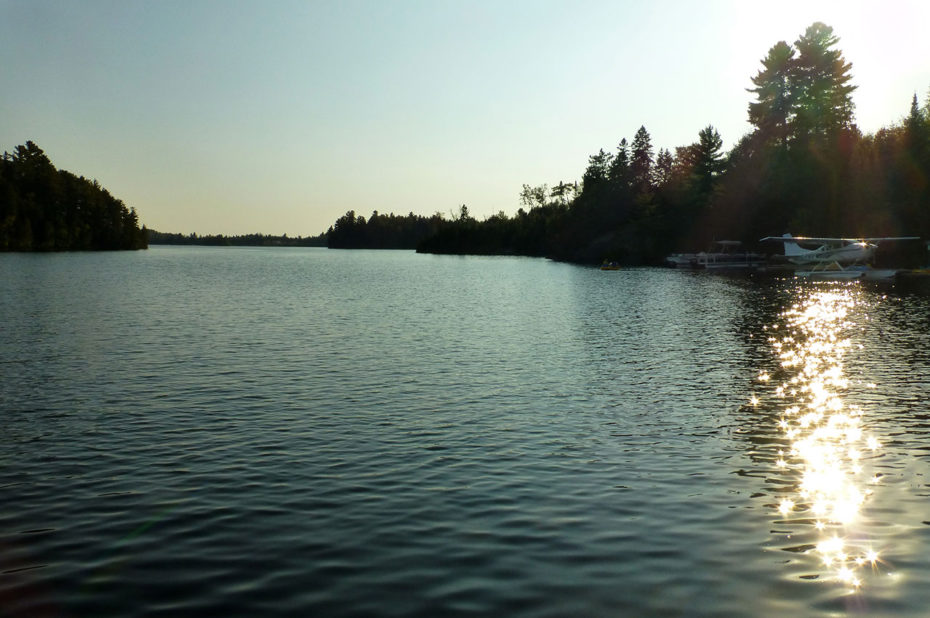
x,y
828,445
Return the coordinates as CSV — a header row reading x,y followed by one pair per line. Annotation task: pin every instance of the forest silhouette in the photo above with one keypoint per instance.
x,y
240,240
45,209
805,168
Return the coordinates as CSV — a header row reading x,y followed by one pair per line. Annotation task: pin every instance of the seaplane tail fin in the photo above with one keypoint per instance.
x,y
792,248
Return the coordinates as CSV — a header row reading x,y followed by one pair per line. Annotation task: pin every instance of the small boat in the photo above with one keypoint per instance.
x,y
682,260
610,265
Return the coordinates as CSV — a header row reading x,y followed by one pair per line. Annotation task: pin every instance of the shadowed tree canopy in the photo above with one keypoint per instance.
x,y
774,107
709,160
44,209
803,92
620,172
239,240
805,168
641,165
820,79
382,231
664,167
598,171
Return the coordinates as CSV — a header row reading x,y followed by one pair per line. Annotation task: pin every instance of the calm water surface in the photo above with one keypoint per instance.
x,y
280,432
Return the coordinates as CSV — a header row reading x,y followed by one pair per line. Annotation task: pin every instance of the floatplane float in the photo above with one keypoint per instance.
x,y
836,259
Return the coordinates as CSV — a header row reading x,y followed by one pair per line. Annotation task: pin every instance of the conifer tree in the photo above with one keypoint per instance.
x,y
820,79
709,162
641,163
772,112
595,176
663,167
619,173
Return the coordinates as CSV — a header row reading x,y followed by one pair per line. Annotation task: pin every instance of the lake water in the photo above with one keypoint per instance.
x,y
284,432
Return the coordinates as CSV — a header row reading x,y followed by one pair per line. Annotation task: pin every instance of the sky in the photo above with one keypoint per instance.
x,y
277,117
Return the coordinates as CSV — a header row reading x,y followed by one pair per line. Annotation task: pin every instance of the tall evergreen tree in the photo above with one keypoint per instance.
x,y
619,173
596,175
641,163
915,117
804,91
772,112
709,160
663,167
820,78
913,169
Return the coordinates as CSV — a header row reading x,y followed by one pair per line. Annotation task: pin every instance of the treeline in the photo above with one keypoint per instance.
x,y
45,209
382,231
244,240
805,168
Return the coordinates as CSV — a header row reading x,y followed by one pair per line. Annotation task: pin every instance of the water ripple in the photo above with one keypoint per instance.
x,y
297,432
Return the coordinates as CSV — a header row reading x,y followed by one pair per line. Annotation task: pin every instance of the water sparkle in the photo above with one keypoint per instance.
x,y
829,447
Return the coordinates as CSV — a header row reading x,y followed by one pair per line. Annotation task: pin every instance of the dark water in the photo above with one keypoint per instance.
x,y
278,432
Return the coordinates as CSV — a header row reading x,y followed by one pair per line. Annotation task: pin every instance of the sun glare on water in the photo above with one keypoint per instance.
x,y
828,448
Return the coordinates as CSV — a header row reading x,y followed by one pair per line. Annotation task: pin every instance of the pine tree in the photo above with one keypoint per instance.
x,y
641,163
772,112
709,161
820,79
596,175
619,173
663,167
804,91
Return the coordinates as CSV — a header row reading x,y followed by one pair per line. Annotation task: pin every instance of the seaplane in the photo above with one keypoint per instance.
x,y
835,259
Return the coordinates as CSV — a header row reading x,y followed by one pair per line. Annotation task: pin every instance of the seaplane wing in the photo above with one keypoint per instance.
x,y
789,237
839,250
835,240
877,239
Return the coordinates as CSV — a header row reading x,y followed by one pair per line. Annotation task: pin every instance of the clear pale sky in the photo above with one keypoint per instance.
x,y
233,116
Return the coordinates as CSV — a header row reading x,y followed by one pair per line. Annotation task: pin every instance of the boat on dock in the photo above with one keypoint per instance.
x,y
727,256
